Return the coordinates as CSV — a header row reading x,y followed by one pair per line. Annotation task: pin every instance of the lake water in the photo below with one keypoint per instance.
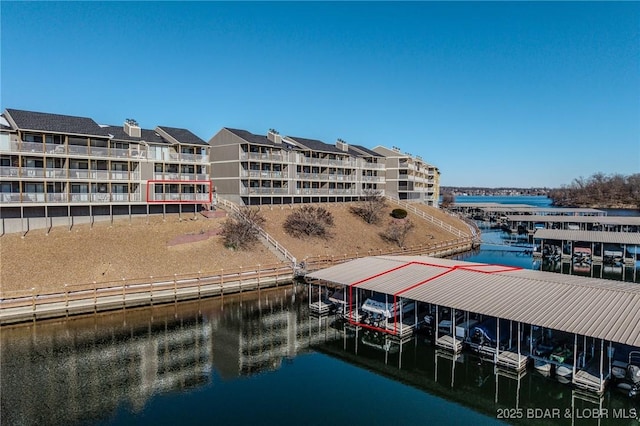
x,y
261,358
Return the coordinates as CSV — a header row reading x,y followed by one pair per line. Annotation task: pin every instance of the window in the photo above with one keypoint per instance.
x,y
32,137
55,139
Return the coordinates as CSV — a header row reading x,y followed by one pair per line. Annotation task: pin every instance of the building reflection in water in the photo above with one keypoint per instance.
x,y
85,369
82,369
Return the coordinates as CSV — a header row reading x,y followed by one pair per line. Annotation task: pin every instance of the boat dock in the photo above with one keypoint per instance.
x,y
532,223
515,310
588,246
493,212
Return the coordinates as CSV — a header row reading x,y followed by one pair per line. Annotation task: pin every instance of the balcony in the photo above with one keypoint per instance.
x,y
262,174
264,191
178,197
61,197
325,191
327,162
192,158
261,156
372,166
376,179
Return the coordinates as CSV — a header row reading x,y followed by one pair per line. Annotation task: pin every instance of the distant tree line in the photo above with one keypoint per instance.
x,y
599,191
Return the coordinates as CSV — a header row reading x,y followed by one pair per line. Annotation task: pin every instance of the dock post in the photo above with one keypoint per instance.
x,y
495,360
519,340
575,353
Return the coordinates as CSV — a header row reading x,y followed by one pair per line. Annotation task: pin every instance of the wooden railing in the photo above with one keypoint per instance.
x,y
170,285
319,262
262,232
409,207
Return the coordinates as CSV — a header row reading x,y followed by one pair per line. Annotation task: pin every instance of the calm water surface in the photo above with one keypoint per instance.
x,y
260,358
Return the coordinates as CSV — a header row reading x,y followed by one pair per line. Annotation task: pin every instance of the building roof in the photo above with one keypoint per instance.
x,y
182,135
608,220
365,151
146,135
593,307
252,138
55,123
631,238
316,145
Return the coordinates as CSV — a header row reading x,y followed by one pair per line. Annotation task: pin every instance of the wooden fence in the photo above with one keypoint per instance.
x,y
442,248
85,297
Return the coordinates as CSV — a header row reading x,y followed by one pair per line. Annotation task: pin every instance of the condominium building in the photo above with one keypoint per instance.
x,y
409,177
271,169
55,165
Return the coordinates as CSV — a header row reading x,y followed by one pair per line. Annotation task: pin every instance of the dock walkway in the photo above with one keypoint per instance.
x,y
71,302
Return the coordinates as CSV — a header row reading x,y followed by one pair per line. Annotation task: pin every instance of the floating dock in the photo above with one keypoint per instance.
x,y
601,312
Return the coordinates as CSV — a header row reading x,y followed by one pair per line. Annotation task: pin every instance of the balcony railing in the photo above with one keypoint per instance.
x,y
327,162
373,179
260,156
178,197
369,166
326,176
182,176
63,197
80,150
103,174
193,158
261,190
263,174
323,191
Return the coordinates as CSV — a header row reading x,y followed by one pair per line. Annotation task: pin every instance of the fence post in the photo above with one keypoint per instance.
x,y
259,268
199,273
33,298
175,286
66,296
123,291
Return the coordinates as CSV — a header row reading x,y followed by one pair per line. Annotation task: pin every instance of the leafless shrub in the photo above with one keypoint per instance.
x,y
240,231
309,221
397,231
370,208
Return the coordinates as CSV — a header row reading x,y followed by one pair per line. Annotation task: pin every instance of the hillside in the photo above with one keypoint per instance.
x,y
109,253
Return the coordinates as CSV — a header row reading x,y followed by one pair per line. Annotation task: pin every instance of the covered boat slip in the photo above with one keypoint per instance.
x,y
603,311
573,223
606,247
492,211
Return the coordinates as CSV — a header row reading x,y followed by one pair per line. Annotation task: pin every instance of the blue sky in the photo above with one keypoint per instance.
x,y
494,94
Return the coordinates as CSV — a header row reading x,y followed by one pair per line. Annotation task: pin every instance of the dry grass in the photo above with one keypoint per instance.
x,y
109,253
351,234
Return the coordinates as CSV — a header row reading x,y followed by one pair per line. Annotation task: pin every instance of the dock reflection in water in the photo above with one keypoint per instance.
x,y
257,358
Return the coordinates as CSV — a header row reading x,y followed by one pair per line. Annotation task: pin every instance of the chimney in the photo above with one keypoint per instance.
x,y
342,145
274,136
131,128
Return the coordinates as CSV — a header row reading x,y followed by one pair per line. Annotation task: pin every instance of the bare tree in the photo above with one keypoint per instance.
x,y
397,231
448,199
241,230
599,190
309,221
371,206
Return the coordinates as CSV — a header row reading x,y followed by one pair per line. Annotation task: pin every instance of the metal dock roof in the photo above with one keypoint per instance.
x,y
608,220
603,309
631,238
566,211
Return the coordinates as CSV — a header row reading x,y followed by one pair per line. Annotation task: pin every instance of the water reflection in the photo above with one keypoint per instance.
x,y
92,369
82,369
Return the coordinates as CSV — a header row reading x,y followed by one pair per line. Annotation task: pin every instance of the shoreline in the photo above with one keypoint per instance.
x,y
129,294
